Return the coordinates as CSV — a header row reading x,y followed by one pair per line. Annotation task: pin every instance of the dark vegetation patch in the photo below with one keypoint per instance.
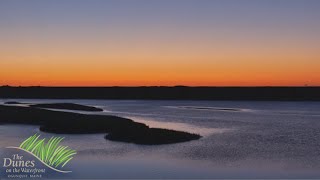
x,y
117,128
67,106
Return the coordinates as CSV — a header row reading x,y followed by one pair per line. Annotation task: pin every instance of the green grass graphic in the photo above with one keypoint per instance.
x,y
49,152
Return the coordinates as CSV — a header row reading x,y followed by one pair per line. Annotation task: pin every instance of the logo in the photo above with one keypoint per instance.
x,y
35,152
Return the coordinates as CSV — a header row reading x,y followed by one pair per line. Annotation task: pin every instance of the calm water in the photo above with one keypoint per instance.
x,y
242,139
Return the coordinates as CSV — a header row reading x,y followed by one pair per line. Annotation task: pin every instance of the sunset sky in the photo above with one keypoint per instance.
x,y
160,42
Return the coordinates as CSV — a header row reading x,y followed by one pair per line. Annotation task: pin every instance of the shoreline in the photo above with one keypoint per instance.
x,y
165,93
117,128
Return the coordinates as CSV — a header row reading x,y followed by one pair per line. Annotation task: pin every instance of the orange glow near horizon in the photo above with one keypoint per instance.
x,y
128,69
166,73
161,65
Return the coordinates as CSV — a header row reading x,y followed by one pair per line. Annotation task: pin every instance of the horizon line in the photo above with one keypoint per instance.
x,y
175,86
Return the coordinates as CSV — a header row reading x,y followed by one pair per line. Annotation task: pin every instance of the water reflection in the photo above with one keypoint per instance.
x,y
270,141
203,131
